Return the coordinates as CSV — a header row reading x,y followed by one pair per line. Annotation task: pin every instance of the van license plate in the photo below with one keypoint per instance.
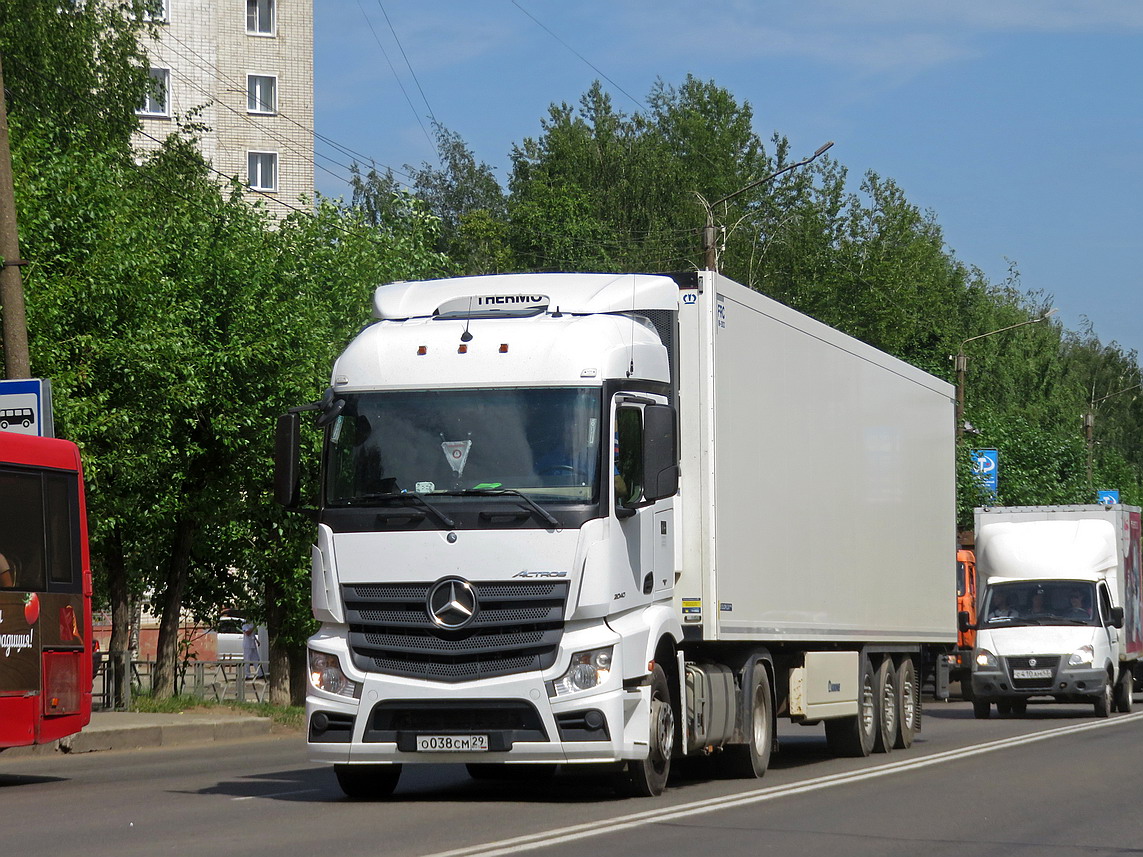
x,y
1031,673
452,743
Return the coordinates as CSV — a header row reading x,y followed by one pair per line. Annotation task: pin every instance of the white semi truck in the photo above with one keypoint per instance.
x,y
1059,616
616,520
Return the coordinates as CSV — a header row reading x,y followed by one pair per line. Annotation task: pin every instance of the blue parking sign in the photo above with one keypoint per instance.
x,y
1107,497
986,468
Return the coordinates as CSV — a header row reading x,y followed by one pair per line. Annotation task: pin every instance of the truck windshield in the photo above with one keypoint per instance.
x,y
1041,602
541,442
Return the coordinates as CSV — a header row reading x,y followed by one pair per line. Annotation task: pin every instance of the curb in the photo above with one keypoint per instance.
x,y
150,731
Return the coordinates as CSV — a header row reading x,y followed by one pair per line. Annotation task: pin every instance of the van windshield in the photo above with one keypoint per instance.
x,y
1038,602
541,442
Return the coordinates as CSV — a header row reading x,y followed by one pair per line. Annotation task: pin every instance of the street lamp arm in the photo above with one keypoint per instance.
x,y
1009,327
821,150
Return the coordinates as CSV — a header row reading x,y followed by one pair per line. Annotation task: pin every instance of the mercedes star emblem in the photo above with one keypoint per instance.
x,y
451,603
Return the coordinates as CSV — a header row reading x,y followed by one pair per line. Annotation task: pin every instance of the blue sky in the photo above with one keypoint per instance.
x,y
1018,123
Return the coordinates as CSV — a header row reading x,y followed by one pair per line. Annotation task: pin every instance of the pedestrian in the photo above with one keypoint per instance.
x,y
251,652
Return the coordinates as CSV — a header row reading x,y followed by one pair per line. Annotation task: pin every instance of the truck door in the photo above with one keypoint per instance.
x,y
645,525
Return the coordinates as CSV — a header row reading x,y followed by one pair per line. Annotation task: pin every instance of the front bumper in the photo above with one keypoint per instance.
x,y
1067,684
514,716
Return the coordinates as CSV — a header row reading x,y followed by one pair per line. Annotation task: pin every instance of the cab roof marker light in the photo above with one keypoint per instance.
x,y
422,351
462,349
503,347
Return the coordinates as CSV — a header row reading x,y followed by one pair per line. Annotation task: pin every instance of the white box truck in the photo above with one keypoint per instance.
x,y
1059,617
618,519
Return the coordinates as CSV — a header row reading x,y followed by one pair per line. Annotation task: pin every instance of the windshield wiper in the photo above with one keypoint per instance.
x,y
398,497
544,514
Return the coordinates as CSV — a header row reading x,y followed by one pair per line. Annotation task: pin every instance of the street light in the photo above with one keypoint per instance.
x,y
709,249
962,365
1089,425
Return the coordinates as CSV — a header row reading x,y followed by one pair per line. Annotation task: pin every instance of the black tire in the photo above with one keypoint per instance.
x,y
367,782
750,760
1018,707
854,735
886,734
981,710
648,777
1105,703
1123,690
511,773
1004,708
908,704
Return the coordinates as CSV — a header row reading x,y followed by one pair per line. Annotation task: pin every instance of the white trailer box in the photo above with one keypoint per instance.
x,y
825,501
1060,597
752,513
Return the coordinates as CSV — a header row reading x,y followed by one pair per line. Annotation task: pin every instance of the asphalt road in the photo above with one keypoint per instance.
x,y
1058,782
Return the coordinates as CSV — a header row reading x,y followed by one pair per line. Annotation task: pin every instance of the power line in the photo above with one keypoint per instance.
x,y
395,75
408,64
539,23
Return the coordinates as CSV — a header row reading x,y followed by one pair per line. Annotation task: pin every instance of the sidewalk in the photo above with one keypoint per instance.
x,y
128,730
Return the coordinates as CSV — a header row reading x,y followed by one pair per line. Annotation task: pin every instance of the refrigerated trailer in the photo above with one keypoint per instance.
x,y
600,519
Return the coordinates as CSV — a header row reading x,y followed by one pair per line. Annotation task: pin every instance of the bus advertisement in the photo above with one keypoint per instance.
x,y
45,592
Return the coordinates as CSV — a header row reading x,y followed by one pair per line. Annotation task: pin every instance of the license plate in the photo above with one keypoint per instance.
x,y
1031,673
452,743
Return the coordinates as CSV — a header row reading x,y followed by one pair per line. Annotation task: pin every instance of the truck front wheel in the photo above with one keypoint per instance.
x,y
981,709
1123,690
367,782
648,777
1106,700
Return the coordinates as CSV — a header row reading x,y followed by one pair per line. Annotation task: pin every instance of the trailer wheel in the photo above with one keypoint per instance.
x,y
887,709
750,760
981,710
854,735
1106,700
648,777
1123,690
908,704
367,782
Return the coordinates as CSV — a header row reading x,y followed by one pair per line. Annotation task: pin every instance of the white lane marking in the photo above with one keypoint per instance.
x,y
686,810
277,794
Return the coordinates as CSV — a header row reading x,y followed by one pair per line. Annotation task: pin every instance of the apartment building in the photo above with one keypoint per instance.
x,y
246,67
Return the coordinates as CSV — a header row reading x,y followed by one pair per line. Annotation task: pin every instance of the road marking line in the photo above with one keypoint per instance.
x,y
686,810
277,794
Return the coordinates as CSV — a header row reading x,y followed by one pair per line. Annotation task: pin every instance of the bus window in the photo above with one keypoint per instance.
x,y
22,528
61,510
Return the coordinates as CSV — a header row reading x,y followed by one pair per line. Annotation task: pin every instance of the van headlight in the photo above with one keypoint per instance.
x,y
587,670
985,660
1082,657
326,674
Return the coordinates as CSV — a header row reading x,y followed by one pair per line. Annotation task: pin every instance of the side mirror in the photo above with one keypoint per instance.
x,y
962,622
286,467
1117,617
660,457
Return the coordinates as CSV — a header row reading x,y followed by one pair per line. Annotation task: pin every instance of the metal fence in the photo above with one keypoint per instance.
x,y
216,681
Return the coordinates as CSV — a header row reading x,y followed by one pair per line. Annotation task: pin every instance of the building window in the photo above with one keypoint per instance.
x,y
260,17
261,93
263,170
158,101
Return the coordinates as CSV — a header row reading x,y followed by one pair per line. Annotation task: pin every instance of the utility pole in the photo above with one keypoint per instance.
x,y
16,362
709,244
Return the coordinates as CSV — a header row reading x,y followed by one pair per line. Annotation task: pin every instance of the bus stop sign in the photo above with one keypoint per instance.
x,y
26,406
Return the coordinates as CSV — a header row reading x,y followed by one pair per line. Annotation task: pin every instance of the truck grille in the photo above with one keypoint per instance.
x,y
517,628
1043,662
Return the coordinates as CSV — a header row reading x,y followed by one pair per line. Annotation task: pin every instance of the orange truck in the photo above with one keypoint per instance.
x,y
960,661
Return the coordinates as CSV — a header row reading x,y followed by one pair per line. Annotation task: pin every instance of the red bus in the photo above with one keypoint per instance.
x,y
45,592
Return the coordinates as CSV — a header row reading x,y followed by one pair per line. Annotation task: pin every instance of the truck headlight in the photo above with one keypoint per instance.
x,y
1082,657
588,669
985,660
326,674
